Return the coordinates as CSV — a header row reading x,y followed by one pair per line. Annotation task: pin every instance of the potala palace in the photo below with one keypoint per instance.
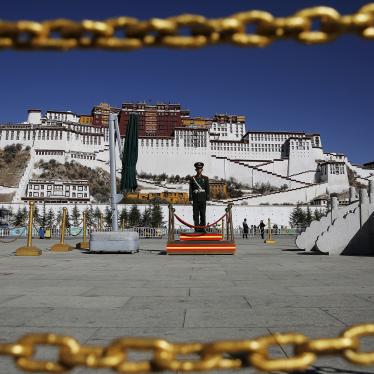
x,y
171,141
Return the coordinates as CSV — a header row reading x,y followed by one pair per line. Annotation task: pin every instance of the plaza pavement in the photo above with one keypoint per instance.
x,y
262,289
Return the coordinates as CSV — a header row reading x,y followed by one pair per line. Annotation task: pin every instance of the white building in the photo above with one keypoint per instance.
x,y
58,191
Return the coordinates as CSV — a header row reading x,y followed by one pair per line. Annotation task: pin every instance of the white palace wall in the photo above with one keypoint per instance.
x,y
89,146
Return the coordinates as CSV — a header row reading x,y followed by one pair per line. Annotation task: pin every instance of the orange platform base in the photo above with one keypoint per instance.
x,y
208,247
200,236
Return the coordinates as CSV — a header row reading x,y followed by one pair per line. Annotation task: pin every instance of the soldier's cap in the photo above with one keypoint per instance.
x,y
199,165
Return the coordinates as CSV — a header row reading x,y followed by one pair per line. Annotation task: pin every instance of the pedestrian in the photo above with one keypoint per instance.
x,y
41,232
198,196
245,228
262,229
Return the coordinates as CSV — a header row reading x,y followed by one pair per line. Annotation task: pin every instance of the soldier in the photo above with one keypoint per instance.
x,y
199,195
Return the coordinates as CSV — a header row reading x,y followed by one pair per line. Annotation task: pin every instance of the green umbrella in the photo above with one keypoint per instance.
x,y
130,155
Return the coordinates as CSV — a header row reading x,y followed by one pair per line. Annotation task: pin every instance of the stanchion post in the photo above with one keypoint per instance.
x,y
269,240
62,247
84,244
231,223
29,249
171,224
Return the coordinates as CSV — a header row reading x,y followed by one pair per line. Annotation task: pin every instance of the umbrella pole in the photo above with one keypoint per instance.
x,y
112,156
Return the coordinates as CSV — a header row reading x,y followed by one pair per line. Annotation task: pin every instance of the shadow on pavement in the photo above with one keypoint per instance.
x,y
329,370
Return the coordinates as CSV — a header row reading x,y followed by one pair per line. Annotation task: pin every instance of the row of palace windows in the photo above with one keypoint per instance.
x,y
86,128
196,143
56,153
273,137
48,135
267,147
230,147
56,187
67,194
84,156
157,142
336,169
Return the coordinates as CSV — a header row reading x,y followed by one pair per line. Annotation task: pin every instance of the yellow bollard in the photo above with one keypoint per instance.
x,y
85,244
62,247
29,249
269,240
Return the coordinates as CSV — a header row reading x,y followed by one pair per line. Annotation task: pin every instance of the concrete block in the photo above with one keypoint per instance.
x,y
118,241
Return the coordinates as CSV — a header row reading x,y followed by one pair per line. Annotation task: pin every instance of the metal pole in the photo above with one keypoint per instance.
x,y
84,227
63,223
269,230
29,232
112,155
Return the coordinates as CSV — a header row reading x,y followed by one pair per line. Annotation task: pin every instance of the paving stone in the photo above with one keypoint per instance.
x,y
260,290
264,317
189,302
108,318
61,301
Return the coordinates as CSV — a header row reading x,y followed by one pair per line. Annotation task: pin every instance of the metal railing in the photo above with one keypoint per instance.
x,y
144,232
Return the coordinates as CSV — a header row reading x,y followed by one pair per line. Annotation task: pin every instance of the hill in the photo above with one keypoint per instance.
x,y
98,179
13,162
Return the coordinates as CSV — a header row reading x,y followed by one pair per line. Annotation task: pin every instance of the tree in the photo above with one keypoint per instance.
x,y
50,218
318,214
59,218
75,215
124,217
43,217
97,215
25,215
308,216
297,217
108,216
156,215
146,220
134,216
18,218
37,217
89,216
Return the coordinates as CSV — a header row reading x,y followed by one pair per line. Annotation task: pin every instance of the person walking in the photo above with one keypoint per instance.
x,y
41,232
262,229
245,228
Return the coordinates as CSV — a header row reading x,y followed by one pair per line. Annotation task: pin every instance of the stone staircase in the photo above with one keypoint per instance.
x,y
265,172
306,240
348,231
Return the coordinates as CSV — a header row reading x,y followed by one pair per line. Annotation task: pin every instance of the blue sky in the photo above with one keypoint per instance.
x,y
326,89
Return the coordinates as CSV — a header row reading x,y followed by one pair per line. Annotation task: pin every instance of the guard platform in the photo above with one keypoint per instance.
x,y
201,243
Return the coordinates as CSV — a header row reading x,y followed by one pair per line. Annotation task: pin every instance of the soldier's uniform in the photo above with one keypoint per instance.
x,y
199,195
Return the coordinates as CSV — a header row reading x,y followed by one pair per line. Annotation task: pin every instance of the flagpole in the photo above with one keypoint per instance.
x,y
112,157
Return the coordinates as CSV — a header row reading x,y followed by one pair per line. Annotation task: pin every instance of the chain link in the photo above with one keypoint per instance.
x,y
126,33
166,356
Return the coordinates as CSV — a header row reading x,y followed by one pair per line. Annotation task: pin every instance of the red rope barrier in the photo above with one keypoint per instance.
x,y
199,227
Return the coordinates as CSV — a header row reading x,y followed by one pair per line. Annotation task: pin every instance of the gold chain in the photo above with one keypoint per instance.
x,y
166,356
64,34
